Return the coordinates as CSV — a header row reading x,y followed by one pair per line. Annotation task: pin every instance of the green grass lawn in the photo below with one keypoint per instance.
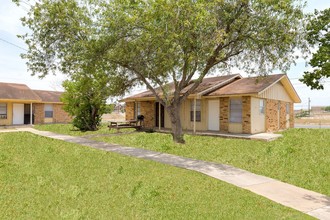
x,y
50,179
301,157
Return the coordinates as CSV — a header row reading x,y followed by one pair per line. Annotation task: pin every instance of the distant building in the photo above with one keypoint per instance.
x,y
21,105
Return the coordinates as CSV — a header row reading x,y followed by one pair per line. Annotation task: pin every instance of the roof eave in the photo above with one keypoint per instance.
x,y
288,87
21,100
52,102
137,99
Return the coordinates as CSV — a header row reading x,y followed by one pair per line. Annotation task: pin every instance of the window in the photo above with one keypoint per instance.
x,y
137,109
48,110
3,111
198,110
287,108
235,110
262,106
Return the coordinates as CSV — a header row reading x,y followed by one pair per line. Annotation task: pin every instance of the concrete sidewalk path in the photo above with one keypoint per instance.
x,y
309,202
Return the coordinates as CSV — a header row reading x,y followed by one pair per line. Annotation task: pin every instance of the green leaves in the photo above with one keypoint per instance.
x,y
318,35
86,94
155,42
162,41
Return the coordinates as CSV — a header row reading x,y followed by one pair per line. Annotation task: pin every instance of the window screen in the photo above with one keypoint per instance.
x,y
137,109
287,108
48,110
198,110
235,110
3,111
262,106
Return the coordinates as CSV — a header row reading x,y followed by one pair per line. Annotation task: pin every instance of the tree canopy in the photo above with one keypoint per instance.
x,y
318,35
157,42
63,40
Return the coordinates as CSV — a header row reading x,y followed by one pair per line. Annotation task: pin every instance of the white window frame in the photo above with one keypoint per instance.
x,y
287,109
262,106
137,109
198,110
3,111
236,110
48,109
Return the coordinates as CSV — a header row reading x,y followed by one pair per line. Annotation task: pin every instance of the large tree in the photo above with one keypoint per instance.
x,y
162,41
318,35
176,41
64,39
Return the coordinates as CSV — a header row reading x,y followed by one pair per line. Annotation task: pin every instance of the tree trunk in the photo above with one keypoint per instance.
x,y
93,118
174,113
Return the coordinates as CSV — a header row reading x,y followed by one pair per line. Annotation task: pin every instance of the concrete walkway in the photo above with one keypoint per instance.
x,y
309,202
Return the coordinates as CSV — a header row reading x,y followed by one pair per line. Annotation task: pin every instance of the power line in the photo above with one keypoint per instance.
x,y
15,45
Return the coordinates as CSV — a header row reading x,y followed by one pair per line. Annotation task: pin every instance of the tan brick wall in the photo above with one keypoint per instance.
x,y
271,115
59,115
291,115
148,110
283,116
39,115
246,114
275,122
224,114
129,111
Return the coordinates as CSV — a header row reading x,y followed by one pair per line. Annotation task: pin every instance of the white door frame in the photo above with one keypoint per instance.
x,y
214,115
18,113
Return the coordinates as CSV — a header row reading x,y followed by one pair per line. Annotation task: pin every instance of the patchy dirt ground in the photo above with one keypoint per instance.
x,y
323,118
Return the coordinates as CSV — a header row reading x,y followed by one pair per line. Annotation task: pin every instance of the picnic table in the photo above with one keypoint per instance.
x,y
124,124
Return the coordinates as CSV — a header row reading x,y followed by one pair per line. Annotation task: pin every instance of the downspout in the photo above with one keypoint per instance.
x,y
194,115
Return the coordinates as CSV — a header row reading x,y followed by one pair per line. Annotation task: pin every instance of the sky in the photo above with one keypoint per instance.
x,y
13,68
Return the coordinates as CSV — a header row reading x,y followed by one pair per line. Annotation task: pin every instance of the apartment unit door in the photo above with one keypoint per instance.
x,y
214,115
18,114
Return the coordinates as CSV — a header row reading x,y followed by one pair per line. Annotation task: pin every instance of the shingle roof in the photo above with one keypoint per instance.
x,y
249,85
48,96
17,92
210,82
206,84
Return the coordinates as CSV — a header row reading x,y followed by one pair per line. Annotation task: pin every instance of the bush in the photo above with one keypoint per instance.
x,y
302,114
